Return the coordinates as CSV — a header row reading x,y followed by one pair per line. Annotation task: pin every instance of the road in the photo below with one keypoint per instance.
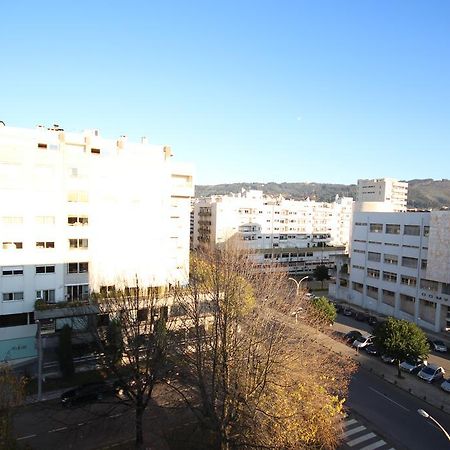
x,y
392,414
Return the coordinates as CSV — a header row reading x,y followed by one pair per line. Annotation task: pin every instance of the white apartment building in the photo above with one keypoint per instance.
x,y
384,193
294,234
399,266
78,212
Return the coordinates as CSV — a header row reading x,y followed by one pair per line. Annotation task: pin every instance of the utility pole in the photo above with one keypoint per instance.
x,y
40,357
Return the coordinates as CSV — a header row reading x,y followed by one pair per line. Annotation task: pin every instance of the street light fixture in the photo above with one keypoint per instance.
x,y
427,416
298,283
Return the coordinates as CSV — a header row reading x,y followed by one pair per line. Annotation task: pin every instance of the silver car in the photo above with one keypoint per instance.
x,y
411,365
431,373
446,385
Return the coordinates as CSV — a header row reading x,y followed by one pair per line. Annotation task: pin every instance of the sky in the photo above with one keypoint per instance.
x,y
247,91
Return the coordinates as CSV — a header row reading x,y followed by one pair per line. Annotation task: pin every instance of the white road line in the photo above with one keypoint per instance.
x,y
374,445
387,398
57,429
350,422
112,416
354,430
81,424
360,439
26,437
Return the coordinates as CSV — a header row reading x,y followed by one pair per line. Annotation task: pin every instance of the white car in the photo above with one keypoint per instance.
x,y
363,341
431,373
412,365
438,346
446,385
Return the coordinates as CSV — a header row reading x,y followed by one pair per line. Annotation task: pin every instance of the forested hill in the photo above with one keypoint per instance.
x,y
426,193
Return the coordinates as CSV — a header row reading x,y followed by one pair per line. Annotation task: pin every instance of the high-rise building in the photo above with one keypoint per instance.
x,y
382,194
79,212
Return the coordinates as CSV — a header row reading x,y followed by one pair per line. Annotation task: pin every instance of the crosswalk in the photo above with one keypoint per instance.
x,y
358,437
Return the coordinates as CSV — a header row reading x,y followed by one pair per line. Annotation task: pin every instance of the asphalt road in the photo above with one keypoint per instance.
x,y
392,414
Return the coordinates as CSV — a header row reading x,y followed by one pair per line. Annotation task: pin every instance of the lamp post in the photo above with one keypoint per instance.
x,y
427,416
297,283
39,349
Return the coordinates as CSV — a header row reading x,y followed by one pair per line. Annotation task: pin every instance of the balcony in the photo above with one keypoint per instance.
x,y
44,310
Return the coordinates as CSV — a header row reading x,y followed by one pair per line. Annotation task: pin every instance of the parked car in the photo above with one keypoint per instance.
x,y
88,392
388,359
350,337
445,385
363,341
372,349
438,346
348,312
372,320
412,365
361,316
431,373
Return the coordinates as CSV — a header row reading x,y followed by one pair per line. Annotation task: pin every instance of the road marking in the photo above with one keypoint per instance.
x,y
387,398
374,445
363,438
112,416
350,422
81,424
26,437
57,429
354,430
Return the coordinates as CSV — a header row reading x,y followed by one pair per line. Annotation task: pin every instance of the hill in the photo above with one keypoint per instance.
x,y
422,194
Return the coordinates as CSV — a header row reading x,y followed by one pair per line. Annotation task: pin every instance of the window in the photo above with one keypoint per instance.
x,y
360,224
358,251
409,262
373,273
392,228
372,256
376,227
12,220
12,245
45,220
42,244
77,196
375,242
390,259
409,281
355,266
407,298
95,151
7,271
41,145
446,290
412,230
13,320
372,291
45,269
429,285
357,286
388,295
77,267
77,292
423,264
390,276
12,296
426,230
77,220
78,243
47,295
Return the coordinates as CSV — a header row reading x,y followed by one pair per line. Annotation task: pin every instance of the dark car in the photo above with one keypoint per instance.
x,y
372,349
351,336
361,316
372,320
88,392
348,312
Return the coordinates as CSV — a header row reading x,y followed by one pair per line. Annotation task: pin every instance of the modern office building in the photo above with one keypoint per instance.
x,y
385,194
297,235
399,266
79,212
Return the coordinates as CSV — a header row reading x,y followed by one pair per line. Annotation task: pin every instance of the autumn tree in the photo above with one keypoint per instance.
x,y
401,339
262,380
133,343
11,395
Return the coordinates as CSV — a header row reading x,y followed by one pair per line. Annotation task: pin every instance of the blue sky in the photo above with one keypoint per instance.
x,y
325,91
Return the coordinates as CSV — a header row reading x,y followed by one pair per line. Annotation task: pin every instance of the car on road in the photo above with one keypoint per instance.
x,y
372,320
438,346
88,392
445,385
363,341
350,337
388,359
431,373
348,312
413,365
361,316
372,349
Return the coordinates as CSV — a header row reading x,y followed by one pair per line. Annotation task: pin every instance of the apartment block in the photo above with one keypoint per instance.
x,y
79,213
386,194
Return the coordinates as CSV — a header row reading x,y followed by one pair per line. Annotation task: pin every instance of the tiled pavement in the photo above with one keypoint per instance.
x,y
358,437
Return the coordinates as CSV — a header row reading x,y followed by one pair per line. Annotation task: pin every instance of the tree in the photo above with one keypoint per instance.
x,y
65,353
325,309
133,344
321,273
255,370
401,339
11,395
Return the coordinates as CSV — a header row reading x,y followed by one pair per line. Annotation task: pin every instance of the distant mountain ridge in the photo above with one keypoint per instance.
x,y
422,194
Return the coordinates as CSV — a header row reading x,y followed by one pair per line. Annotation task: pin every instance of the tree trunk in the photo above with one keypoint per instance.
x,y
139,443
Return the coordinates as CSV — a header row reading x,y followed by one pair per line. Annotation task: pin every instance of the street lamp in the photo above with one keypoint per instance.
x,y
298,283
427,416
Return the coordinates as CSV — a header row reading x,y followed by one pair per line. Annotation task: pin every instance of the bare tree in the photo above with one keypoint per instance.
x,y
132,335
262,380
